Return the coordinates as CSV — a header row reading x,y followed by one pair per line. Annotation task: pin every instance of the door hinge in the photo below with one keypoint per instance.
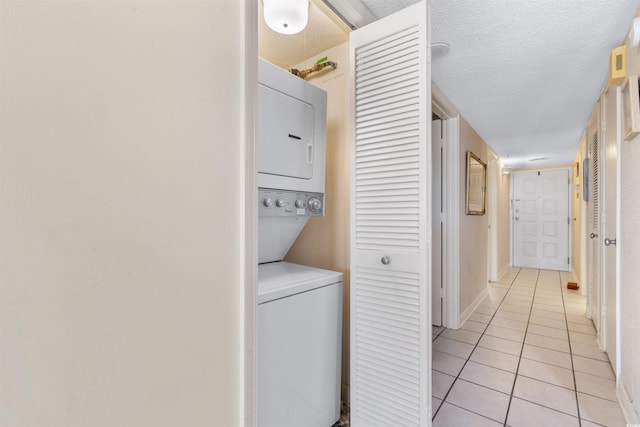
x,y
569,221
568,260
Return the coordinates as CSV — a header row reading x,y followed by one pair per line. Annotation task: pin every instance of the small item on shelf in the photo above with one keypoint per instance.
x,y
572,285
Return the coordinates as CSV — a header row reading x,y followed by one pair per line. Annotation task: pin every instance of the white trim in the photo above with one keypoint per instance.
x,y
503,271
472,307
492,215
451,239
249,248
618,234
630,415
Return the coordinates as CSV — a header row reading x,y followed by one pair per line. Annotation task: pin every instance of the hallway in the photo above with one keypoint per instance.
x,y
526,357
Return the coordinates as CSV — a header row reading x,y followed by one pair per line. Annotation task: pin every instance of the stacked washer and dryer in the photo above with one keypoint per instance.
x,y
299,324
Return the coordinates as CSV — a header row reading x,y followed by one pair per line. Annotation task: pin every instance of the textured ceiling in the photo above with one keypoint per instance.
x,y
525,74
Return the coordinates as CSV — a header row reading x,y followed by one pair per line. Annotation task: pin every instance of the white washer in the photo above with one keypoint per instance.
x,y
299,345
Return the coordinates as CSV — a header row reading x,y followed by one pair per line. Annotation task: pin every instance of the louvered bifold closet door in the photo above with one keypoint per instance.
x,y
594,221
390,214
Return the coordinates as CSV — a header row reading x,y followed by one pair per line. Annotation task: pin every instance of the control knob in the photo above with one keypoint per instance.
x,y
299,203
279,203
268,202
315,204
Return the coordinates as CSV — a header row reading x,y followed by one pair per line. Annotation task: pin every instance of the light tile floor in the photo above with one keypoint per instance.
x,y
526,357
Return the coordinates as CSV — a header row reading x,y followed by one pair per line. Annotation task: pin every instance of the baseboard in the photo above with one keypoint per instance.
x,y
469,310
503,271
630,415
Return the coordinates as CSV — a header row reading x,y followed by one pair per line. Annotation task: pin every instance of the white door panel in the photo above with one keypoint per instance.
x,y
610,194
390,222
593,205
541,219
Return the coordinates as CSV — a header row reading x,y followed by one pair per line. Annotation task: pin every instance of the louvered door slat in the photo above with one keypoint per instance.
x,y
390,303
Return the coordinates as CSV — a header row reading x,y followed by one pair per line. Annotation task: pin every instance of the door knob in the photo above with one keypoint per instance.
x,y
609,242
385,260
517,218
593,235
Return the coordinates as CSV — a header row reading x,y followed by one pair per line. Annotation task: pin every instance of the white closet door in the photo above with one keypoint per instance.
x,y
594,219
390,220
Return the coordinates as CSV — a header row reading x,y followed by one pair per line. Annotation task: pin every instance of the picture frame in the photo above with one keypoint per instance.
x,y
630,107
476,185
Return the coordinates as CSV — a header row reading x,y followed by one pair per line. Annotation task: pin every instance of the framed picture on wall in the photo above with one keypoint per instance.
x,y
476,185
630,107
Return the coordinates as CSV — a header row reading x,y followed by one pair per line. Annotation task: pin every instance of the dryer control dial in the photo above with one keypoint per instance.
x,y
280,203
299,204
268,202
315,204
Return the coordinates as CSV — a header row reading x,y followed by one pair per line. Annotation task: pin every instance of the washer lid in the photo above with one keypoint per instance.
x,y
282,279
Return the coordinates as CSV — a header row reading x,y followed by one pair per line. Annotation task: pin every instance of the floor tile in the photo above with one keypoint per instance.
x,y
485,310
447,363
501,344
581,338
488,376
578,327
440,384
549,395
552,323
593,367
479,317
508,323
579,319
506,333
479,399
600,411
547,331
550,315
547,342
556,375
528,414
522,317
435,404
463,335
453,347
545,355
452,416
596,386
589,350
470,325
496,359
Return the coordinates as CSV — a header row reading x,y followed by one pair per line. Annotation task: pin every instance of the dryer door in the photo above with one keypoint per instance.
x,y
285,135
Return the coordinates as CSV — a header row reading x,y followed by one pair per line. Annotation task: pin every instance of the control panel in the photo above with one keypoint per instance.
x,y
283,203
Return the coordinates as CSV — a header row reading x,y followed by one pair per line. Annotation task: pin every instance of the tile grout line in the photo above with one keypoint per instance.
x,y
573,370
515,378
474,348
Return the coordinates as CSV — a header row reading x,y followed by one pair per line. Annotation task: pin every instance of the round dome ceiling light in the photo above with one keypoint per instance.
x,y
439,49
286,16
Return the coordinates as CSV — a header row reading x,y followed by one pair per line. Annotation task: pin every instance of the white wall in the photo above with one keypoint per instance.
x,y
629,244
121,213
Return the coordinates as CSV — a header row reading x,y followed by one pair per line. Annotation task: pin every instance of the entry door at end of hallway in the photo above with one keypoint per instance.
x,y
541,219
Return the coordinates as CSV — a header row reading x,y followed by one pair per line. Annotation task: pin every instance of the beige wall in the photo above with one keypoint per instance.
x,y
121,213
473,229
324,242
578,212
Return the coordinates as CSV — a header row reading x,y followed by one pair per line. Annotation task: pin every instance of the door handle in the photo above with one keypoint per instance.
x,y
385,260
593,235
517,218
609,242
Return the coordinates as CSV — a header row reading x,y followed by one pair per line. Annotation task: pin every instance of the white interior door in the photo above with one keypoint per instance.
x,y
390,222
609,195
437,146
541,219
593,205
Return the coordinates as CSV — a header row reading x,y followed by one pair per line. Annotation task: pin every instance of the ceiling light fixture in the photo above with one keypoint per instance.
x,y
286,16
